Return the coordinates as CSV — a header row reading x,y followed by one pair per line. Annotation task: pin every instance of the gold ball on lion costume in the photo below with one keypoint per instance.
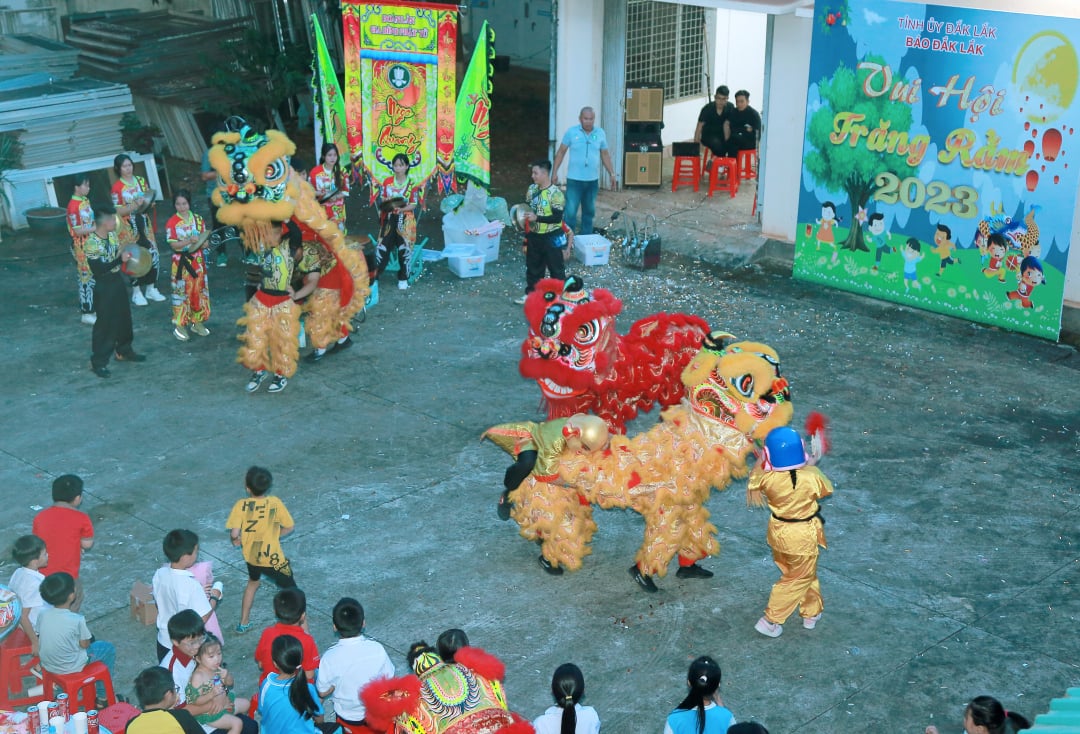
x,y
586,431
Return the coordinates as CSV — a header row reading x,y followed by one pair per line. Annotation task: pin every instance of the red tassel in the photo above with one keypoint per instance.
x,y
480,662
818,424
387,698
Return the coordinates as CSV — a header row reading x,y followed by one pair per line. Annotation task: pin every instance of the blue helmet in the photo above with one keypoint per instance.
x,y
784,449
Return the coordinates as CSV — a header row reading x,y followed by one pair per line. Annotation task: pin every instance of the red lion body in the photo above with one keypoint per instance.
x,y
583,365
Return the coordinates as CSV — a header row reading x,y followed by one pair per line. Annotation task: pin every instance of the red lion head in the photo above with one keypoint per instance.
x,y
572,344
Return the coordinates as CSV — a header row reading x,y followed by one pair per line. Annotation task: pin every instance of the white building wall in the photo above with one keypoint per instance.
x,y
738,49
578,65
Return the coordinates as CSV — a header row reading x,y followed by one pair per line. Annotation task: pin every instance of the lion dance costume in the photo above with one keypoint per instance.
x,y
583,365
258,190
463,697
733,395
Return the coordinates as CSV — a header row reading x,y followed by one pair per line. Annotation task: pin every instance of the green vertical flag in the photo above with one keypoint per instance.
x,y
330,125
472,138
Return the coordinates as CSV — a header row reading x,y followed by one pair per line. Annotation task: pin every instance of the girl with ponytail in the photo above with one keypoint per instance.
x,y
568,716
986,715
702,711
288,704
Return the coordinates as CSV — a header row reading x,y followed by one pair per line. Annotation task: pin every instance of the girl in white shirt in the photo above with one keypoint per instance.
x,y
568,716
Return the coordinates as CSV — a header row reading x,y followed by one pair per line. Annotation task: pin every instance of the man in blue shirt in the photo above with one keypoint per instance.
x,y
588,148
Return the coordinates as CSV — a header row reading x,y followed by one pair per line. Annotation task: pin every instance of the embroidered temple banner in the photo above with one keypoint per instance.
x,y
329,104
936,161
395,90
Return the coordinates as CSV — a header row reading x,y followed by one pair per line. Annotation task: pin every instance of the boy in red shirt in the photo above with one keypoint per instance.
x,y
66,530
290,608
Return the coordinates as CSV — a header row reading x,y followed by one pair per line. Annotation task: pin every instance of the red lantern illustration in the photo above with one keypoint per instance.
x,y
1051,143
1032,180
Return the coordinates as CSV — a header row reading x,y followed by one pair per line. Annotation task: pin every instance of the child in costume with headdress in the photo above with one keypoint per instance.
x,y
791,488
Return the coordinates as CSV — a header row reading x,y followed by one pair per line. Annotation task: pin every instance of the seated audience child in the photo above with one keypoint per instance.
x,y
290,608
288,703
450,642
66,645
30,553
211,685
186,633
568,716
702,711
157,696
986,715
350,664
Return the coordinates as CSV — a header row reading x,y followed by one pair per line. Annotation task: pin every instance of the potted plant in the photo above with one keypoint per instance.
x,y
10,159
136,136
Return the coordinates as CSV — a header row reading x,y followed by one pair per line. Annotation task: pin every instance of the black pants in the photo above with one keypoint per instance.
x,y
142,231
391,240
112,330
721,148
516,472
540,255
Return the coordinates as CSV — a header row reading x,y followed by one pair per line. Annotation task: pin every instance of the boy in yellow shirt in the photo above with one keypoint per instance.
x,y
257,524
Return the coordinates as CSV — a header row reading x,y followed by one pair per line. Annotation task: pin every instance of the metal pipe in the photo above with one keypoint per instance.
x,y
554,73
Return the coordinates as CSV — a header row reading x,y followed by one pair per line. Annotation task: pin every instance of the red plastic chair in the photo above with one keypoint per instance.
x,y
80,687
687,171
730,183
16,661
747,164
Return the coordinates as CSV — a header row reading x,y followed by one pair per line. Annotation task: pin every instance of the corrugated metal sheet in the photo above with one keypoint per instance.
x,y
26,53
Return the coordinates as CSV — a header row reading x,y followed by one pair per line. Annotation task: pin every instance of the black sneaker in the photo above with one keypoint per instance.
x,y
693,571
504,506
278,384
644,581
257,378
339,346
101,371
553,570
315,356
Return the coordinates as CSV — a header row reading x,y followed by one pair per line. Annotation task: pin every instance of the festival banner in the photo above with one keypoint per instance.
x,y
444,145
329,103
392,85
936,159
472,139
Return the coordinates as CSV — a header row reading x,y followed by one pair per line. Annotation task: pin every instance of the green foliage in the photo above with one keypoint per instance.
x,y
10,157
254,78
841,167
136,136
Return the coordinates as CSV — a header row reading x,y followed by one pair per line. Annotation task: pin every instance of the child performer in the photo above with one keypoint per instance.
x,y
330,184
792,490
397,225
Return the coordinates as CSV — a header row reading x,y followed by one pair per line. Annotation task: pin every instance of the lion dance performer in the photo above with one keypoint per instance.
x,y
790,486
734,395
462,697
257,191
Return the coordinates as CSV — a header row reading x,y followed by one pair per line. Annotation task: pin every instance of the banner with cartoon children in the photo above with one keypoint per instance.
x,y
936,162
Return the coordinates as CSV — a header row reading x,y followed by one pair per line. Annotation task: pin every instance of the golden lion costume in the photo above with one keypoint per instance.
x,y
258,190
734,396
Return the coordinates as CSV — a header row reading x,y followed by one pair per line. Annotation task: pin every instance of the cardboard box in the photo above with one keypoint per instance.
x,y
466,261
143,606
592,249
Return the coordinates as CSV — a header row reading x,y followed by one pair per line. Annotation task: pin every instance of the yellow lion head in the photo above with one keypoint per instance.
x,y
739,385
256,183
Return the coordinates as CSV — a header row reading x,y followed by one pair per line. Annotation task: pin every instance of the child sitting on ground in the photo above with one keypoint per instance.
x,y
66,530
176,588
211,685
66,645
186,633
288,703
568,716
350,664
257,524
290,608
30,553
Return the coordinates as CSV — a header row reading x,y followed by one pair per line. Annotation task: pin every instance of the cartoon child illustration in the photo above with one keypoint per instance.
x,y
912,255
877,239
943,247
825,228
996,249
1031,275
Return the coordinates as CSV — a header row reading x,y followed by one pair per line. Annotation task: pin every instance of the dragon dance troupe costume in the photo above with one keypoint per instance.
x,y
547,237
322,179
272,321
80,216
190,287
137,228
327,321
397,228
112,330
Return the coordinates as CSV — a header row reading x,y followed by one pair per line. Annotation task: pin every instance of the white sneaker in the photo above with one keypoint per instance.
x,y
153,294
89,318
256,379
137,297
811,622
181,333
769,629
403,285
520,301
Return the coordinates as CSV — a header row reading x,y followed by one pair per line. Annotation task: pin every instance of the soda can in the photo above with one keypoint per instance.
x,y
34,719
54,709
62,704
92,722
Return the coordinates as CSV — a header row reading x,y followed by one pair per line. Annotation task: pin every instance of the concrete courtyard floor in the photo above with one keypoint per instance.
x,y
952,569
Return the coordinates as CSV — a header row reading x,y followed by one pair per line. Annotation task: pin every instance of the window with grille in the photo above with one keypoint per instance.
x,y
665,44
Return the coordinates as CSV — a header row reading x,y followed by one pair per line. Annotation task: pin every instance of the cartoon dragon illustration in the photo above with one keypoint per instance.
x,y
582,364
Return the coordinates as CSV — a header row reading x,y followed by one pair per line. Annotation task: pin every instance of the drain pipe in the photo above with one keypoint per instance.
x,y
554,78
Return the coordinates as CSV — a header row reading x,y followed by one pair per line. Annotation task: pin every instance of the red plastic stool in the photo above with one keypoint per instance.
x,y
16,660
747,164
687,171
730,183
80,687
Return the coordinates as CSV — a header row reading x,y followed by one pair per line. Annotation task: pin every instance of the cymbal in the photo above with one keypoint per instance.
x,y
391,204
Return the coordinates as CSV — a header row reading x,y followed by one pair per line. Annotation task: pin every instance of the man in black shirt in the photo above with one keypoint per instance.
x,y
714,125
745,124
